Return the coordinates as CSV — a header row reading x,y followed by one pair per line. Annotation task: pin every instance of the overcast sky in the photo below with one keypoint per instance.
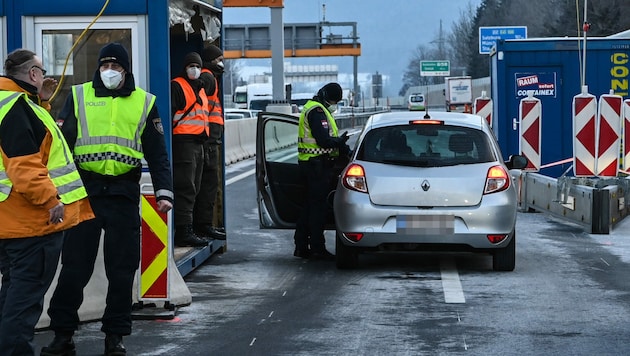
x,y
389,32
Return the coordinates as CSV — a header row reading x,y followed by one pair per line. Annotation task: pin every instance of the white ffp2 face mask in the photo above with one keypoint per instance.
x,y
193,72
111,78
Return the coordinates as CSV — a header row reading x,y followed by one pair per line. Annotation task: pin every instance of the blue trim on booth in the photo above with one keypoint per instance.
x,y
159,61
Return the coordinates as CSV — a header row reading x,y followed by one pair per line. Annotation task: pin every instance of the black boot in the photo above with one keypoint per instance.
x,y
62,345
114,345
184,236
209,232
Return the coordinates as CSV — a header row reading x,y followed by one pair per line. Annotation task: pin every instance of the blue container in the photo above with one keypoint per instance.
x,y
552,68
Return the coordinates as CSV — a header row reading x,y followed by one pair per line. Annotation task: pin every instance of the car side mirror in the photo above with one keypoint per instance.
x,y
516,162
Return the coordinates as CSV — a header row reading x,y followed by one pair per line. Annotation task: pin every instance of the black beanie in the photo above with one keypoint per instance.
x,y
114,52
192,57
331,92
210,53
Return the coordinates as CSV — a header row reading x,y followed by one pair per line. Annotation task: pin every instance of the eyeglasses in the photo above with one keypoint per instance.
x,y
40,68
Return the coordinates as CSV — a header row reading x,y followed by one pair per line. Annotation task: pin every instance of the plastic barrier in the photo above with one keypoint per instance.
x,y
584,124
626,136
530,112
608,135
483,107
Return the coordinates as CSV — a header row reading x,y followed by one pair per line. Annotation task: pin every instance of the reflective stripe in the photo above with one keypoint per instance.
x,y
9,98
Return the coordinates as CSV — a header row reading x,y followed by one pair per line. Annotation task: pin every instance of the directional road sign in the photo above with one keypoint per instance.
x,y
488,36
435,68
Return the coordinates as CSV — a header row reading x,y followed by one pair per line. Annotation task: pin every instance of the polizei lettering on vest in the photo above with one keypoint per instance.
x,y
95,103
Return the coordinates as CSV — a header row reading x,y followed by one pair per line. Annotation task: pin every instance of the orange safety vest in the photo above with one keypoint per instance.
x,y
216,113
196,120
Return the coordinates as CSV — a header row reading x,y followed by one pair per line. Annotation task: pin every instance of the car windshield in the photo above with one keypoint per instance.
x,y
425,146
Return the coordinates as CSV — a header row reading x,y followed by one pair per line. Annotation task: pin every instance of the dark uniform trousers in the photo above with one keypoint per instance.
x,y
317,174
119,217
188,165
203,213
28,266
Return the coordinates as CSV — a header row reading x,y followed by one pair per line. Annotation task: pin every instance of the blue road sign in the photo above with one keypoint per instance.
x,y
488,36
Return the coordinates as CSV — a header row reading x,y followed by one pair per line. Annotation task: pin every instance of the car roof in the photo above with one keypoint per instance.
x,y
403,117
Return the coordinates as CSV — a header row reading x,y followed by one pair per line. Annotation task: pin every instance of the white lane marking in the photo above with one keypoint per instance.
x,y
453,292
253,341
239,177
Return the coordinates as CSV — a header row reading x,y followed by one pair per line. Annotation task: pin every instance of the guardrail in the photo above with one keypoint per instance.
x,y
595,204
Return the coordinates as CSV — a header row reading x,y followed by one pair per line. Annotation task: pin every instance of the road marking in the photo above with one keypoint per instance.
x,y
239,177
453,292
253,341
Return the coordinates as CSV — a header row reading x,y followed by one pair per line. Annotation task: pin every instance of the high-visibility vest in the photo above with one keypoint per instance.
x,y
307,146
196,120
109,129
61,168
216,112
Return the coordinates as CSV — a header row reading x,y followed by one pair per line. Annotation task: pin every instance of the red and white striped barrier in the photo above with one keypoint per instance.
x,y
482,106
626,136
584,124
608,135
530,111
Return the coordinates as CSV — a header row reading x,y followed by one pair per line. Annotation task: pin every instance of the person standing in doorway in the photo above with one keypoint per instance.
x,y
189,106
319,145
110,125
204,211
41,195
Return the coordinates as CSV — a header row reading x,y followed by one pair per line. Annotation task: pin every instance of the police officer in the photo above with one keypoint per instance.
x,y
203,213
41,195
111,125
319,145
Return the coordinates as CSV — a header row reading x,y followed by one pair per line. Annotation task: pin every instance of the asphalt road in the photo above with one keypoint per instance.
x,y
567,296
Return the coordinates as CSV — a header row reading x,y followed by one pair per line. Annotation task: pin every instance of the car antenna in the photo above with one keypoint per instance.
x,y
426,110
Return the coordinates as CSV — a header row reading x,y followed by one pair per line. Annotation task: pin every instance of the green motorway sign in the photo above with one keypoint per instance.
x,y
435,68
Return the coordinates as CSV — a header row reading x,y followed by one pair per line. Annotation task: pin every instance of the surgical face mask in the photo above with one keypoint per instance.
x,y
218,67
193,72
332,108
111,78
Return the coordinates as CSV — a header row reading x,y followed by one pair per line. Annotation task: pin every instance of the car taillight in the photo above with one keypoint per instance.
x,y
353,236
495,239
496,180
354,178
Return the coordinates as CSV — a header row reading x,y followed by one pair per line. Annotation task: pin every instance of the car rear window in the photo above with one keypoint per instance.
x,y
426,146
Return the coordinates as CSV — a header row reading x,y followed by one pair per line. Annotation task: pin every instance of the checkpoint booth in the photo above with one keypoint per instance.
x,y
68,35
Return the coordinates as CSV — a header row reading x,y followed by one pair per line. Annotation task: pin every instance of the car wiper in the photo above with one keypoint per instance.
x,y
410,163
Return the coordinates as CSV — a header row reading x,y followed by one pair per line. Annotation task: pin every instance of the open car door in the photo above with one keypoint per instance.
x,y
280,192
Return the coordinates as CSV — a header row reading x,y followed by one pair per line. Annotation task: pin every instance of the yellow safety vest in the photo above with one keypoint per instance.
x,y
109,129
307,146
61,168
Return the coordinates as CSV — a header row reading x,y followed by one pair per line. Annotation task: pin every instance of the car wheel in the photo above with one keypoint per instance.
x,y
345,257
505,259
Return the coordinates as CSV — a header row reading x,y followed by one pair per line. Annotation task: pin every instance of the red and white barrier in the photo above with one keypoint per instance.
x,y
584,125
530,112
608,135
626,136
482,106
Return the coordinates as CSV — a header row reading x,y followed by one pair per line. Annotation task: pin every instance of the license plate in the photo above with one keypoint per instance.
x,y
425,224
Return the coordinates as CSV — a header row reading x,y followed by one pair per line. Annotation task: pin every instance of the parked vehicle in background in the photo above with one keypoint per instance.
x,y
415,102
254,96
414,183
458,92
231,113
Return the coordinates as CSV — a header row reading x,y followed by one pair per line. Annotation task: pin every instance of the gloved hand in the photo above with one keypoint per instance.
x,y
56,214
344,136
344,150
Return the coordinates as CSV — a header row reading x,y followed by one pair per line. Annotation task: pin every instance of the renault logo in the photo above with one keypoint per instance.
x,y
425,185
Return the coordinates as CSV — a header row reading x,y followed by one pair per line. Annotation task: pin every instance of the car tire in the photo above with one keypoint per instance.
x,y
504,259
345,257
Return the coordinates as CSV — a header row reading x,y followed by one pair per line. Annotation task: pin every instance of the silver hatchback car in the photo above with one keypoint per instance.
x,y
416,181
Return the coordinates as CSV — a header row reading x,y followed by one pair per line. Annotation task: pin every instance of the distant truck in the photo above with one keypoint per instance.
x,y
458,92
